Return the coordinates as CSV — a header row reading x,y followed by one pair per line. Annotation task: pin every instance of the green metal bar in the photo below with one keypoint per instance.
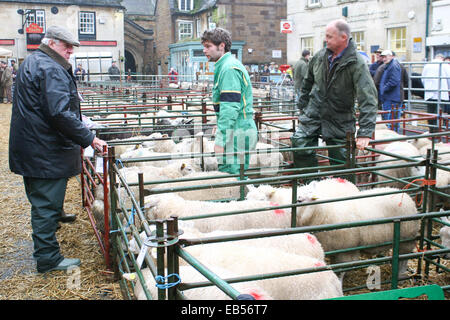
x,y
395,254
208,274
294,200
160,256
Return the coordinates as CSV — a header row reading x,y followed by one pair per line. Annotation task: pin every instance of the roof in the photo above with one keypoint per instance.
x,y
139,7
200,5
91,3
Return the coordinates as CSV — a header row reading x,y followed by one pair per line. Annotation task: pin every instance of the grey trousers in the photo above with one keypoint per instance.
x,y
46,197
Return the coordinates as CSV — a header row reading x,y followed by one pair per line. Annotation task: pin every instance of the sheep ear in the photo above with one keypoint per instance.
x,y
251,187
272,193
183,166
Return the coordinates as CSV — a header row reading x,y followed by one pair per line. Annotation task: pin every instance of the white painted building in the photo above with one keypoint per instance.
x,y
397,25
97,24
438,39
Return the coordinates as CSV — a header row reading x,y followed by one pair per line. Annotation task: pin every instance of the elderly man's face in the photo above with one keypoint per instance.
x,y
64,49
387,58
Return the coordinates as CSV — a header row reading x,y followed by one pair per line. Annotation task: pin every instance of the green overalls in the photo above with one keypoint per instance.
x,y
233,103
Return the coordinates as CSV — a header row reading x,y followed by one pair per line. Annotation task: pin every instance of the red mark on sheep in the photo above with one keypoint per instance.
x,y
319,264
311,238
340,180
277,211
256,295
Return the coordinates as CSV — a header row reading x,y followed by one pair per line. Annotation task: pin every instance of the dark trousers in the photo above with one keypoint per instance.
x,y
46,197
307,158
433,108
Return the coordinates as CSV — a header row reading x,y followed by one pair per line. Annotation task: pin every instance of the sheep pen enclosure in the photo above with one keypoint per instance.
x,y
112,241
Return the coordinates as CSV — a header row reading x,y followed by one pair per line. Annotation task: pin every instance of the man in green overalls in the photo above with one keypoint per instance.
x,y
233,102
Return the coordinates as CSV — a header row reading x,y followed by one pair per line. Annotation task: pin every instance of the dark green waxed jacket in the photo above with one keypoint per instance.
x,y
328,97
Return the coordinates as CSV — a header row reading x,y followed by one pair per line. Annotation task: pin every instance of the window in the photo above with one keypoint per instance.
x,y
308,44
198,27
185,5
184,30
358,37
87,23
313,2
397,40
36,16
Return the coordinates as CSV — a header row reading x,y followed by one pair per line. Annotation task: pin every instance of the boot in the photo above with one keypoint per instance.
x,y
67,217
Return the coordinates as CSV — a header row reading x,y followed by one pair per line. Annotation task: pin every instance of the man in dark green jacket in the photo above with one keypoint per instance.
x,y
300,70
337,76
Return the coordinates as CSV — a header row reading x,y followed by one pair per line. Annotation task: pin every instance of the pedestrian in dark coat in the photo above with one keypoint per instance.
x,y
46,138
390,88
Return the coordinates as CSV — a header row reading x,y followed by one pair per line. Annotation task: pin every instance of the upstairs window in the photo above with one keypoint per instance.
x,y
185,5
36,16
185,30
87,23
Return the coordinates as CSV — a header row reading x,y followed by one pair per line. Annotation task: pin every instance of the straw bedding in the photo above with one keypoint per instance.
x,y
18,277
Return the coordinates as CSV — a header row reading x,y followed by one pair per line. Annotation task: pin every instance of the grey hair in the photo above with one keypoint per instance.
x,y
46,40
343,27
439,56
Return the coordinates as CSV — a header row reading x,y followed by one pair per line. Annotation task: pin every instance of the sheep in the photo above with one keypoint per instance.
x,y
299,243
329,188
404,149
189,274
162,206
149,153
444,232
122,148
357,210
152,173
249,260
221,193
265,158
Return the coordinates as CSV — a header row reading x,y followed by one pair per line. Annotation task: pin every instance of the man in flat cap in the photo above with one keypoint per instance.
x,y
45,138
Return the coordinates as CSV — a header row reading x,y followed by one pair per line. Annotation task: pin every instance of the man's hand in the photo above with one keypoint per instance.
x,y
362,142
98,144
218,149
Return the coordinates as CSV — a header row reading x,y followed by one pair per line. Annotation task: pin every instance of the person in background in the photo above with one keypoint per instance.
x,y
300,70
15,67
45,141
390,88
173,76
80,73
114,72
7,81
430,80
379,61
337,76
233,102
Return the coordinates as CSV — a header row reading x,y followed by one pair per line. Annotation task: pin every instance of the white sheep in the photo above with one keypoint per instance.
x,y
328,188
162,206
370,208
221,193
304,244
188,274
444,232
152,173
249,260
404,149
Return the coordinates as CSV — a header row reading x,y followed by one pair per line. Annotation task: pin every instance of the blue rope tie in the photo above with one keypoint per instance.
x,y
163,284
118,161
129,222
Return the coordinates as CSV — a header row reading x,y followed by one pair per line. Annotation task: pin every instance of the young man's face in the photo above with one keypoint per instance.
x,y
213,52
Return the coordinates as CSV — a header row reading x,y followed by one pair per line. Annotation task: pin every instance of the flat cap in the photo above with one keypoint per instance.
x,y
56,32
387,53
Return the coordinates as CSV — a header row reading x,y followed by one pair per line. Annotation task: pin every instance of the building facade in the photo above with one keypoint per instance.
x,y
438,32
398,25
254,25
97,24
